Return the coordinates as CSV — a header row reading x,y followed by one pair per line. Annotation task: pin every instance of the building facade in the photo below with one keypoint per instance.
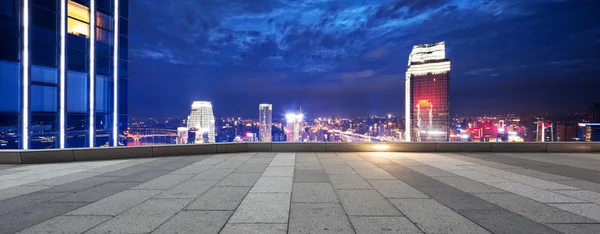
x,y
588,132
202,120
427,104
265,117
293,127
63,66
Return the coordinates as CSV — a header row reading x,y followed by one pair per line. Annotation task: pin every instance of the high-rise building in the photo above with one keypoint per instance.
x,y
63,66
427,86
265,117
182,135
202,120
293,127
589,132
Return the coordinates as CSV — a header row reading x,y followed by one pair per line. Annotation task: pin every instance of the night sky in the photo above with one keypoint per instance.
x,y
350,57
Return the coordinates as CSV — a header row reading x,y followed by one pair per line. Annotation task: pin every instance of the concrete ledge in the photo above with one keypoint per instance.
x,y
412,147
259,147
178,150
10,157
46,156
231,147
112,153
298,147
569,147
519,147
349,147
463,147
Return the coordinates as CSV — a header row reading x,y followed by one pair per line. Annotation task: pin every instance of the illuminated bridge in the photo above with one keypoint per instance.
x,y
355,137
138,133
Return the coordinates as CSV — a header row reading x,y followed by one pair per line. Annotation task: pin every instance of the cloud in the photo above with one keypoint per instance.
x,y
378,53
356,75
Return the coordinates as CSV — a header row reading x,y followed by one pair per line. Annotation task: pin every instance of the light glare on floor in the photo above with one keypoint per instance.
x,y
381,147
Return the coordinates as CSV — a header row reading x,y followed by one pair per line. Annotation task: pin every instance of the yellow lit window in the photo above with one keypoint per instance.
x,y
79,20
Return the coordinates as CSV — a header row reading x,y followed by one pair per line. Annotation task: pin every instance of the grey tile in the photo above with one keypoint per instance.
x,y
279,171
273,185
310,176
163,182
66,178
263,208
81,184
117,203
374,174
219,198
366,202
468,186
367,224
20,190
188,189
239,179
533,210
318,218
432,171
332,161
96,193
27,200
308,166
582,184
576,228
195,222
252,167
535,193
396,189
193,169
339,170
67,224
433,217
582,195
248,228
361,164
264,155
143,218
349,182
313,192
503,221
33,215
591,211
213,174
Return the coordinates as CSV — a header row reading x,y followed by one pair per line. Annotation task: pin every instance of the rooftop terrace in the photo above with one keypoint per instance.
x,y
304,192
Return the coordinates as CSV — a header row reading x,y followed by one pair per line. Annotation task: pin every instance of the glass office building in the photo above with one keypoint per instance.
x,y
202,121
427,87
265,117
63,73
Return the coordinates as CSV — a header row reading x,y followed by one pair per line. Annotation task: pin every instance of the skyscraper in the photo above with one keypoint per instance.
x,y
265,117
203,121
427,86
292,128
63,66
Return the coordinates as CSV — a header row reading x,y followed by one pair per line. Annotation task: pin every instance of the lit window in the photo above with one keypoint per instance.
x,y
79,19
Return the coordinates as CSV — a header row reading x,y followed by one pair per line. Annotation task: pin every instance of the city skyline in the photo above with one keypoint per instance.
x,y
350,58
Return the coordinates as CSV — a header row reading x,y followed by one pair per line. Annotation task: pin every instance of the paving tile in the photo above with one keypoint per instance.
x,y
66,224
81,184
273,185
116,204
368,224
332,161
591,211
20,190
339,170
582,195
163,182
279,171
348,182
468,185
252,167
264,155
248,228
263,208
535,193
360,164
318,218
66,179
195,222
27,200
310,176
239,179
188,189
374,174
481,177
96,193
396,189
260,160
503,221
366,202
582,184
213,174
219,198
33,215
193,169
432,171
433,217
535,182
576,228
308,166
313,192
143,218
538,174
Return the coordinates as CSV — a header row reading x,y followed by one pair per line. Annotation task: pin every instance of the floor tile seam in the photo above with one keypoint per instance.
x,y
456,211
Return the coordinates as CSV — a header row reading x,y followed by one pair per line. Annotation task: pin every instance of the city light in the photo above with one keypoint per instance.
x,y
381,147
291,117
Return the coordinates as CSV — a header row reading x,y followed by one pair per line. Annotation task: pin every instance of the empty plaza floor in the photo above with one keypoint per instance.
x,y
307,193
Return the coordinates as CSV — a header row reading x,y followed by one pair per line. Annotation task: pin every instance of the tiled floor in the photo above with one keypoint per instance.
x,y
307,193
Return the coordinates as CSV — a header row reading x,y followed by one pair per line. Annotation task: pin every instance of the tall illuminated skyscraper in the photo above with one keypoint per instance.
x,y
202,120
292,128
265,117
427,86
63,73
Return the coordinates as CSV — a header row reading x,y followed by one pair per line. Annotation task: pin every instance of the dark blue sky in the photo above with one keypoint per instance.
x,y
350,57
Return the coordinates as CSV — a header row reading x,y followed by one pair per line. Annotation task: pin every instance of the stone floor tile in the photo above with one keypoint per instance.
x,y
318,218
219,198
374,174
209,222
396,189
339,170
582,195
21,190
188,189
313,192
117,203
366,202
535,193
33,215
279,171
576,228
308,166
503,221
252,167
588,210
263,208
468,185
66,224
96,193
163,182
213,174
349,182
374,224
239,179
310,176
432,171
273,185
248,228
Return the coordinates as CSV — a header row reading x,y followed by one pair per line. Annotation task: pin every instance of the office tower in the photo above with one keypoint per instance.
x,y
566,132
182,135
427,86
265,117
589,132
203,121
293,128
63,73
